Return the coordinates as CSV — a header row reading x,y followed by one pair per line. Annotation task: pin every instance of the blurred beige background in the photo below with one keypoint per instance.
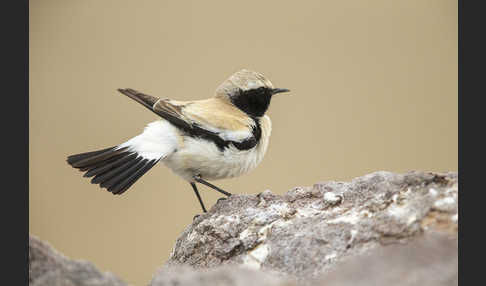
x,y
374,87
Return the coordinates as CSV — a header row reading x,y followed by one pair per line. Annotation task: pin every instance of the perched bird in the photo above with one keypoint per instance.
x,y
220,137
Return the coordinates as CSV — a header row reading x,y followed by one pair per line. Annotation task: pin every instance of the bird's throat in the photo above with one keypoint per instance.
x,y
254,102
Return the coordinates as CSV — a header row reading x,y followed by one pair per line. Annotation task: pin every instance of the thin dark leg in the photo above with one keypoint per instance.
x,y
199,180
198,197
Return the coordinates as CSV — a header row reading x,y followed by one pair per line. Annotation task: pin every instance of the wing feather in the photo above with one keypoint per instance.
x,y
212,119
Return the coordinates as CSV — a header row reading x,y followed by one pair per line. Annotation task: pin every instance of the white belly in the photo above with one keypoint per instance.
x,y
199,157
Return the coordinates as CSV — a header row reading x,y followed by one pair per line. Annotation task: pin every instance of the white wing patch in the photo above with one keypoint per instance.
x,y
159,139
230,135
237,136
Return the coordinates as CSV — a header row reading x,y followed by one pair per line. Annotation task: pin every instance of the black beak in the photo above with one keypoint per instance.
x,y
279,90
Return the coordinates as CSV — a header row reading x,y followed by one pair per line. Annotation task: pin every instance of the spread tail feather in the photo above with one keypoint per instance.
x,y
115,168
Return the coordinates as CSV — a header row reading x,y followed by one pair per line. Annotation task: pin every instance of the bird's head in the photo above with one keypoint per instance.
x,y
250,91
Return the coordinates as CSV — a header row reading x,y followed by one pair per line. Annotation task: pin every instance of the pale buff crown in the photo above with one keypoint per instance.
x,y
244,80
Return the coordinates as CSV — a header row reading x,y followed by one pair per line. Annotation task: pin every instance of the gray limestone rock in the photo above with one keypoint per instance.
x,y
429,260
218,276
47,267
309,231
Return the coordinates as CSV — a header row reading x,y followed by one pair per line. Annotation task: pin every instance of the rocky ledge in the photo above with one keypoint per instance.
x,y
309,230
48,267
379,229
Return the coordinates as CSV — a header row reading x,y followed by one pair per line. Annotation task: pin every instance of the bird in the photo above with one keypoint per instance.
x,y
223,136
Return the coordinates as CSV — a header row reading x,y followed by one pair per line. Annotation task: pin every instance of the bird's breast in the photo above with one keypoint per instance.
x,y
197,156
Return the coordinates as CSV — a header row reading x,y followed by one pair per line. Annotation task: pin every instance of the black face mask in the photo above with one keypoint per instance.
x,y
254,102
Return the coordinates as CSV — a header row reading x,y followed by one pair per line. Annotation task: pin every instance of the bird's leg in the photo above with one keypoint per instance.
x,y
199,180
193,185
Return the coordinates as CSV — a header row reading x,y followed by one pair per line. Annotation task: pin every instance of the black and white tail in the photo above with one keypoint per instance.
x,y
117,168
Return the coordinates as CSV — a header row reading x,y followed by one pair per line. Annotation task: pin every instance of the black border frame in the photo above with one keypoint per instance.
x,y
15,171
16,124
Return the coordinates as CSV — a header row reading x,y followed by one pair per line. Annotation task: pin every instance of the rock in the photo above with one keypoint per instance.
x,y
50,268
310,231
379,229
429,260
219,276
